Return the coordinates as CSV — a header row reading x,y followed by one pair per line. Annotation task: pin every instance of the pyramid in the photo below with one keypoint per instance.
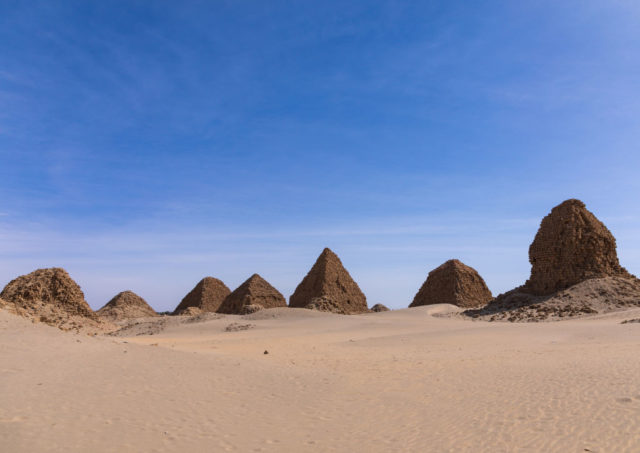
x,y
125,305
50,296
574,272
571,246
377,308
453,283
207,295
329,279
254,293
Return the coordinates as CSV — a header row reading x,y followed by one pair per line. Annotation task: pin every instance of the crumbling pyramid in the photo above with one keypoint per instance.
x,y
50,296
571,246
253,294
125,305
453,283
207,295
378,308
328,279
574,272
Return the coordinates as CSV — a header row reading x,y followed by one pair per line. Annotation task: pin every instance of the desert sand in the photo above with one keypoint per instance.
x,y
405,380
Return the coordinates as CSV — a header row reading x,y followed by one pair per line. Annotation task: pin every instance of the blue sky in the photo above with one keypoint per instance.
x,y
145,145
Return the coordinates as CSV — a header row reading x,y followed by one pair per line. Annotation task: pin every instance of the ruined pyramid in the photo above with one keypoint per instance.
x,y
207,295
328,280
254,294
571,246
50,296
125,305
574,271
453,283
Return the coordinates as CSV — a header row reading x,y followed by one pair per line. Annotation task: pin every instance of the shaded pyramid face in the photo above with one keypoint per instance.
x,y
47,289
207,295
329,279
255,292
571,246
125,305
453,283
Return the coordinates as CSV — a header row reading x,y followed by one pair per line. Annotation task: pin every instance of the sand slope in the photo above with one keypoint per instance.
x,y
395,381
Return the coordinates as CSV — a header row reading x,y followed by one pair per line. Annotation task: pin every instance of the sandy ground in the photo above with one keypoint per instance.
x,y
404,380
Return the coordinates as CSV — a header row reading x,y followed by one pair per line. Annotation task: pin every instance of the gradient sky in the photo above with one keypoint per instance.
x,y
145,145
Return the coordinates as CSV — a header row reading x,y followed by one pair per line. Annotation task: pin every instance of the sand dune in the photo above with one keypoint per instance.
x,y
406,380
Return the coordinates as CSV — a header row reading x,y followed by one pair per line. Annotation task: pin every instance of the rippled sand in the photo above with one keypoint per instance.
x,y
406,380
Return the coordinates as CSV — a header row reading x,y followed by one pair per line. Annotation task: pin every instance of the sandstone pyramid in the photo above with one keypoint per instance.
x,y
377,308
453,283
50,296
328,279
574,271
255,293
571,246
207,295
125,305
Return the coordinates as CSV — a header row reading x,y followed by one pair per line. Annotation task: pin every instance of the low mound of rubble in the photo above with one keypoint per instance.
x,y
590,297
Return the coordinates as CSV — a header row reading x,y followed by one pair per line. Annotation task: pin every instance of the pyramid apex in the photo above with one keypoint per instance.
x,y
327,251
570,203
